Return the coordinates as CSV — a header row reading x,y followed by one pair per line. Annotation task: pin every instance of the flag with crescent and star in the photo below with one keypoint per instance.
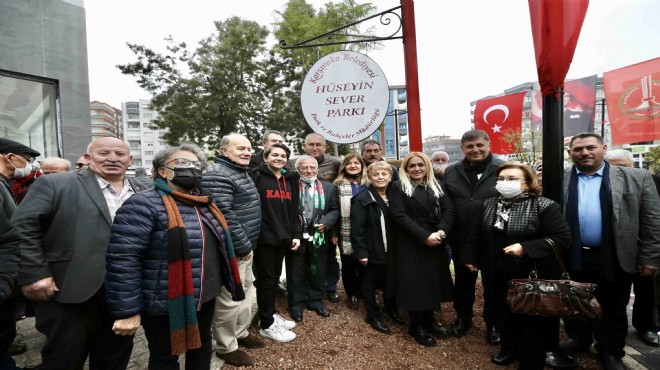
x,y
497,116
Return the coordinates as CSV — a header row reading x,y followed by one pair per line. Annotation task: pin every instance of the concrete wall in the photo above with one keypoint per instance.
x,y
48,38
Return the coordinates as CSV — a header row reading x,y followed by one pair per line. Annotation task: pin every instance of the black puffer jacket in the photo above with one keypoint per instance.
x,y
137,260
236,196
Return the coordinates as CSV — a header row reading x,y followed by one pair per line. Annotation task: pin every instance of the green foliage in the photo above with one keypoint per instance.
x,y
232,82
653,157
528,146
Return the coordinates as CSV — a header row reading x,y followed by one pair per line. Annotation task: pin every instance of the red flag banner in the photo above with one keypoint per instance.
x,y
632,95
556,26
497,116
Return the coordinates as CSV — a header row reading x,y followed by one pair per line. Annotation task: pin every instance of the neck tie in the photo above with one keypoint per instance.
x,y
309,202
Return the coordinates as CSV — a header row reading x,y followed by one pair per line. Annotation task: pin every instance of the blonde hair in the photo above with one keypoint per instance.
x,y
380,165
429,179
341,176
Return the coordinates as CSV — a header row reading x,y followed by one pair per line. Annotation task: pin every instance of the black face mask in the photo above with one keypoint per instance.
x,y
187,178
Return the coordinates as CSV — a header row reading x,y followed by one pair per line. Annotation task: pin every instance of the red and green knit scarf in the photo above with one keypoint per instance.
x,y
184,331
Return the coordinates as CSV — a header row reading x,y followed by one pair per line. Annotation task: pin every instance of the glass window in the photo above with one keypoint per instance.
x,y
30,112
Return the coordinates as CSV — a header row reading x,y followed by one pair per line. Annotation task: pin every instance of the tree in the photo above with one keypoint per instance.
x,y
299,21
527,146
653,157
218,89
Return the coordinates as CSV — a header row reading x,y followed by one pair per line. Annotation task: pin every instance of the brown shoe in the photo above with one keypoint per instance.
x,y
236,358
251,341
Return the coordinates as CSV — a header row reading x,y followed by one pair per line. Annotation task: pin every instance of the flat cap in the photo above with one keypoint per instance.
x,y
11,146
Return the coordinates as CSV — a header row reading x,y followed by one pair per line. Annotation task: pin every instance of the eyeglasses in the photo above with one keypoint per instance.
x,y
184,162
26,159
510,178
81,165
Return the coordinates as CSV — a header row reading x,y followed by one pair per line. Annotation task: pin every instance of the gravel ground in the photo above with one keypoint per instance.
x,y
345,341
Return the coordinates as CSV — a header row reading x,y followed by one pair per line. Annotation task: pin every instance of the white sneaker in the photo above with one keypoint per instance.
x,y
281,321
278,334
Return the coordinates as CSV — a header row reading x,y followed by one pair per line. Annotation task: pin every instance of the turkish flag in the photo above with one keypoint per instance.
x,y
498,117
632,95
556,26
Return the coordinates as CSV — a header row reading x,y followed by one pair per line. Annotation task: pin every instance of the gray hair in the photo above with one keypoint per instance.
x,y
369,142
264,137
314,134
55,161
619,154
305,157
140,171
161,157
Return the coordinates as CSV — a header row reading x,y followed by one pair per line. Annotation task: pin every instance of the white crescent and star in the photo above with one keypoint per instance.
x,y
501,107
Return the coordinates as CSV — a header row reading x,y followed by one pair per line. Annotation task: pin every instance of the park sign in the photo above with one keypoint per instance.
x,y
345,97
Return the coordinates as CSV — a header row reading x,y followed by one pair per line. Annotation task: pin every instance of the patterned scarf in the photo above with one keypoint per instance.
x,y
318,238
347,190
503,208
184,331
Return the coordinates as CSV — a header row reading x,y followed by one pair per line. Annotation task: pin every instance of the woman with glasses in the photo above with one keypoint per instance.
x,y
280,231
423,215
169,255
350,181
514,237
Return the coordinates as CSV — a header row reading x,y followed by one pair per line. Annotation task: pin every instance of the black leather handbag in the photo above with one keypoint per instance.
x,y
554,298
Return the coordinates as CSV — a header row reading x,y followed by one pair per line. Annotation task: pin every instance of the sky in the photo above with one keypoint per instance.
x,y
466,49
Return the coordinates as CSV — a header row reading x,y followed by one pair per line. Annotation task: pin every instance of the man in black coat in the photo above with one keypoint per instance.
x,y
371,153
64,224
306,266
468,183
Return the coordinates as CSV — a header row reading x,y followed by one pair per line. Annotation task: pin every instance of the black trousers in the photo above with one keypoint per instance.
x,y
157,331
374,276
528,336
331,268
644,309
465,283
351,275
74,331
610,332
7,332
303,287
267,268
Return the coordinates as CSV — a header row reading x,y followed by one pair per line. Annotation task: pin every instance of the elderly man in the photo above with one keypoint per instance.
x,y
305,267
644,308
468,183
236,196
371,153
614,216
64,224
141,176
440,161
15,164
328,169
52,165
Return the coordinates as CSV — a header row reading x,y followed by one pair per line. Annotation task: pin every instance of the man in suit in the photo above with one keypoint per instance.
x,y
614,216
64,224
371,153
306,265
644,308
468,183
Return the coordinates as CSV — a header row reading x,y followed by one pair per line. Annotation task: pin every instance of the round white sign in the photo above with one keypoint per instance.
x,y
345,96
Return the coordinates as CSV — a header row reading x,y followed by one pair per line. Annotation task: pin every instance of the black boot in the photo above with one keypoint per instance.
x,y
418,332
432,326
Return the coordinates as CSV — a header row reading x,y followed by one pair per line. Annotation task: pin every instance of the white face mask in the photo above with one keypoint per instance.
x,y
22,172
509,189
307,180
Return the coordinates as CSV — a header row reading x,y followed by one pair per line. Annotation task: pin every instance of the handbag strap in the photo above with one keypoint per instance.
x,y
560,261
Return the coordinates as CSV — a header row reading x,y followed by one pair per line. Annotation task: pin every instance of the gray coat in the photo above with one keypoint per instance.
x,y
64,225
635,219
237,197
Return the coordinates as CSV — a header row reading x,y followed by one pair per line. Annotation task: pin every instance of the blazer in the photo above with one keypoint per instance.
x,y
64,225
467,202
636,218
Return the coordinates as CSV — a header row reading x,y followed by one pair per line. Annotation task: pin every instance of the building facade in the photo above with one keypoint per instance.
x,y
106,121
393,133
44,81
443,143
143,139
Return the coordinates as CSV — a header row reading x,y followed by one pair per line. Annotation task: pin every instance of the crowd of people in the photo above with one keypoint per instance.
x,y
197,251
